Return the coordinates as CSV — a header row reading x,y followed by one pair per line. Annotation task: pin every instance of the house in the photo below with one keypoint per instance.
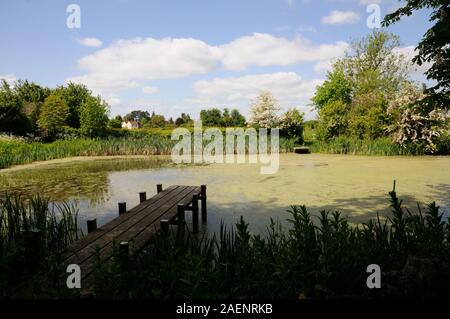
x,y
130,125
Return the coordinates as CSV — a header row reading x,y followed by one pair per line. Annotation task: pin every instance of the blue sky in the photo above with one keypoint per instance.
x,y
180,56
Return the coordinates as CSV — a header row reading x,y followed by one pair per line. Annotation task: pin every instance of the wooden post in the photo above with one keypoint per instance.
x,y
124,255
164,223
195,213
142,197
180,214
33,246
159,188
203,198
91,225
122,208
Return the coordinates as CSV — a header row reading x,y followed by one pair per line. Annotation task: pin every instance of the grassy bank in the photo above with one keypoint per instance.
x,y
316,256
17,152
354,146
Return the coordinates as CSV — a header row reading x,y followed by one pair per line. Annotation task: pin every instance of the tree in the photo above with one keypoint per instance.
x,y
227,120
93,117
263,111
138,116
31,96
74,95
12,118
114,123
157,120
211,117
434,47
291,124
336,87
354,98
237,118
53,116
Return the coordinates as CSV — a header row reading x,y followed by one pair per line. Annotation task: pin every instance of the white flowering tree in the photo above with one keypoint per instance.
x,y
263,111
414,123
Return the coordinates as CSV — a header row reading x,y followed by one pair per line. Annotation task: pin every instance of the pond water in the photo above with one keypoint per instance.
x,y
355,185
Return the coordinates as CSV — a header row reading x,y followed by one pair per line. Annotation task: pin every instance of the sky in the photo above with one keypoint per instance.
x,y
173,56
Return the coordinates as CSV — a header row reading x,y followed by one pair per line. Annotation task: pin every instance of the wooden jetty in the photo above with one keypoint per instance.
x,y
133,228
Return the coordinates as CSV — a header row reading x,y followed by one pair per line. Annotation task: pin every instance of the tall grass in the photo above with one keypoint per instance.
x,y
54,224
355,146
318,256
17,152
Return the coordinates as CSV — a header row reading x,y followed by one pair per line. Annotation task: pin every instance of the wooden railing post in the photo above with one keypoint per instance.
x,y
91,225
159,188
142,197
122,208
195,213
164,224
203,198
124,255
180,215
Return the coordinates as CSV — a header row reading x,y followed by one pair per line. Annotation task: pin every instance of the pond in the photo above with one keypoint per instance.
x,y
355,185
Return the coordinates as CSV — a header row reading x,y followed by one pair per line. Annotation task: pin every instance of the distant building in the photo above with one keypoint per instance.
x,y
130,125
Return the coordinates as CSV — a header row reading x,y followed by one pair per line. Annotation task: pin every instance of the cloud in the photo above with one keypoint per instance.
x,y
417,72
289,87
90,42
126,63
341,17
9,78
262,49
290,2
149,90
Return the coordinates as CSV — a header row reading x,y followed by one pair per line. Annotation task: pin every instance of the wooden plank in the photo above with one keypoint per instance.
x,y
138,218
117,221
152,224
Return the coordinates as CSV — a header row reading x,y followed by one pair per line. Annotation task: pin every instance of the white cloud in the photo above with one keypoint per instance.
x,y
288,87
126,63
417,72
149,90
263,49
341,17
9,78
90,42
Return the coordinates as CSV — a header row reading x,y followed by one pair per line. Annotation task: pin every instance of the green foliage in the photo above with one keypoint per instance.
x,y
434,47
337,87
115,123
211,117
93,117
12,118
291,125
315,257
53,115
74,95
333,120
58,227
237,119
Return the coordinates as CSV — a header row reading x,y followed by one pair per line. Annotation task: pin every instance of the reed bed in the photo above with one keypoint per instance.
x,y
316,257
32,232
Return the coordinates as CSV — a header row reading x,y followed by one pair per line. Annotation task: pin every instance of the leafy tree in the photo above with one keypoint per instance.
x,y
184,119
157,121
334,120
263,111
31,96
211,117
12,118
74,95
137,115
53,115
93,117
227,120
114,123
291,124
434,47
336,87
237,118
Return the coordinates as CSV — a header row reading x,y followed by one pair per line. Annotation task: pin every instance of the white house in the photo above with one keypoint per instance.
x,y
130,125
